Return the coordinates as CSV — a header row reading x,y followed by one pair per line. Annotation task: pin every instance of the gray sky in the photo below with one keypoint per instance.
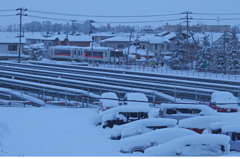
x,y
125,8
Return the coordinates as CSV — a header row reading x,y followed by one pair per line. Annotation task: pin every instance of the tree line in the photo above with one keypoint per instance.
x,y
222,56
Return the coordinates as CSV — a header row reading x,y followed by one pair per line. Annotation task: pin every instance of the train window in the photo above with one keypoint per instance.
x,y
105,54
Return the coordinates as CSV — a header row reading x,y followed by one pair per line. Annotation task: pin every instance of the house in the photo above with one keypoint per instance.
x,y
9,46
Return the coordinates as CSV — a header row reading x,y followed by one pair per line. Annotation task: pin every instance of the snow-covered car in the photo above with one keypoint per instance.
x,y
95,104
193,145
134,98
121,115
20,103
200,124
233,131
108,100
182,111
216,127
140,126
141,142
62,104
224,101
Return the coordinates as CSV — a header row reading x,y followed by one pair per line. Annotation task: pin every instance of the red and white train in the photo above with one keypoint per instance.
x,y
76,53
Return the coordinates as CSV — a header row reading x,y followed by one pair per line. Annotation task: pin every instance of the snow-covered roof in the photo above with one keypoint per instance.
x,y
207,110
231,128
111,102
223,97
219,125
103,34
133,50
174,146
140,125
153,39
200,122
116,39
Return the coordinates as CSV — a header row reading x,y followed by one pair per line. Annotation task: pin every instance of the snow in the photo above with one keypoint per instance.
x,y
231,128
109,100
159,136
201,122
133,98
195,142
224,97
140,126
218,125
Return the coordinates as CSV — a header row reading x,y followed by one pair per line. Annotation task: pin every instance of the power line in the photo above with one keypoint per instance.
x,y
8,15
7,10
217,13
107,16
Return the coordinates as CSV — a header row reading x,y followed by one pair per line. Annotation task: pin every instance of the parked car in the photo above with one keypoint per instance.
x,y
182,111
200,124
193,145
141,142
223,101
231,129
108,100
137,99
20,103
121,115
95,104
62,104
140,127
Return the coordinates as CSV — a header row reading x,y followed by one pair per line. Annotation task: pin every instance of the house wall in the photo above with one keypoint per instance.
x,y
4,48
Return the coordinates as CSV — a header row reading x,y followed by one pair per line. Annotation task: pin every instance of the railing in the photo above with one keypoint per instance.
x,y
213,74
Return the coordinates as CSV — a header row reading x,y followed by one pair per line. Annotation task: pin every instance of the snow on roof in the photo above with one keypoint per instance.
x,y
231,128
200,122
153,39
223,97
160,136
219,125
171,147
207,110
143,52
103,34
108,102
116,39
138,99
84,38
117,129
136,96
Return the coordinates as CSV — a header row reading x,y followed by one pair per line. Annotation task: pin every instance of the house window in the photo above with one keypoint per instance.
x,y
143,46
155,46
12,47
120,46
163,46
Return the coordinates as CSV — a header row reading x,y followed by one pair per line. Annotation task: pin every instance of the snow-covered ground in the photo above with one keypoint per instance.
x,y
56,132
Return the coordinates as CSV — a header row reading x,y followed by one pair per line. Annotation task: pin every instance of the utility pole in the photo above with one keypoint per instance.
x,y
218,22
20,29
90,31
73,26
187,21
129,46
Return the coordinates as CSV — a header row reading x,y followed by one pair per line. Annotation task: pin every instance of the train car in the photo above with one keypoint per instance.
x,y
63,52
89,54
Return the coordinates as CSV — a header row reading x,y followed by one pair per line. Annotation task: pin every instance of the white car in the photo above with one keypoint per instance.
x,y
140,126
121,115
193,145
141,142
200,124
182,111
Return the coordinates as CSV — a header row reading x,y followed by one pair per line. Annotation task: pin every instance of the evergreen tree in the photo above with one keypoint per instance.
x,y
178,60
233,61
220,64
203,57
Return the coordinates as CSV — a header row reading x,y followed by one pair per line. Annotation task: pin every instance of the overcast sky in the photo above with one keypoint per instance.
x,y
214,8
